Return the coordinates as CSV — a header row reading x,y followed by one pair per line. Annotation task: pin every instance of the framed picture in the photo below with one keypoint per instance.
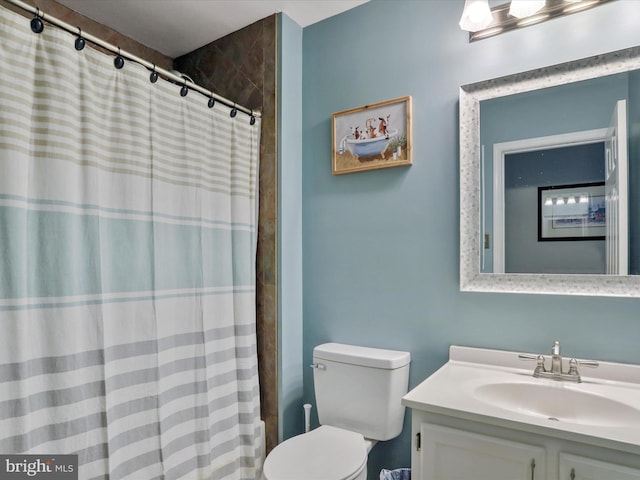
x,y
572,212
371,137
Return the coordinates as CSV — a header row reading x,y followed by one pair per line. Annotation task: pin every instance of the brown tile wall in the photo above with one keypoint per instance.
x,y
242,68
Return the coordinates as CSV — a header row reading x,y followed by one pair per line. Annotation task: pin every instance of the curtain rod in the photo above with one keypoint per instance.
x,y
114,49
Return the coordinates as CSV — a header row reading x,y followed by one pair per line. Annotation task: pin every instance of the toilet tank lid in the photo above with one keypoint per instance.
x,y
363,356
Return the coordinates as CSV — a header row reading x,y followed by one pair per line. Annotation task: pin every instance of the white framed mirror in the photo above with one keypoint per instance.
x,y
536,115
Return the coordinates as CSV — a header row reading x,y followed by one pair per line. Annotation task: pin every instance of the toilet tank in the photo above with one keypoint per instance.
x,y
360,388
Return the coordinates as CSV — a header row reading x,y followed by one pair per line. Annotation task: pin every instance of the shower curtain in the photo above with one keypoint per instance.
x,y
127,279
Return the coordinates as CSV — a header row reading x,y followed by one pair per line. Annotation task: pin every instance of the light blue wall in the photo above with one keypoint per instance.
x,y
289,227
380,248
564,109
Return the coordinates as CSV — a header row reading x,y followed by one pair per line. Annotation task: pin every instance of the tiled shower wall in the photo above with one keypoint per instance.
x,y
242,68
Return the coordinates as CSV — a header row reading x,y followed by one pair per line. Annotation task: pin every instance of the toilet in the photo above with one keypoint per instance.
x,y
358,392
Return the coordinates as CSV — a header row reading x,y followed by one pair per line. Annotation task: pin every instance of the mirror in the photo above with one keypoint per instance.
x,y
541,152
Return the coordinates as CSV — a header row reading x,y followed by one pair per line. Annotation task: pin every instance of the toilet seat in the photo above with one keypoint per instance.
x,y
326,453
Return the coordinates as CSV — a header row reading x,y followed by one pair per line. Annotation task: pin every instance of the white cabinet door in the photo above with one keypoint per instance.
x,y
573,467
451,454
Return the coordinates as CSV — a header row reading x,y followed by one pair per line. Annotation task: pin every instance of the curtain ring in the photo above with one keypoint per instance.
x,y
252,121
234,111
118,62
184,90
37,25
153,78
79,43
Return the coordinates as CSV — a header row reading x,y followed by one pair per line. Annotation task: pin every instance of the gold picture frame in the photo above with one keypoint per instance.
x,y
372,137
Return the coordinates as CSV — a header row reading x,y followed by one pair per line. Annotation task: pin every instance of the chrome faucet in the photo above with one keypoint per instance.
x,y
555,372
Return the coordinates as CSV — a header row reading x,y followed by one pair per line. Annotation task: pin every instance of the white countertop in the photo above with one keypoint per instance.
x,y
453,391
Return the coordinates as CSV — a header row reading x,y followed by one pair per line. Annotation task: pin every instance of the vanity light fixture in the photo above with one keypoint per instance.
x,y
576,5
525,22
516,14
525,8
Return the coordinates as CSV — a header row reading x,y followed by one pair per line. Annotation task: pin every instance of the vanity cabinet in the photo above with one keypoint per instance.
x,y
451,454
452,448
482,416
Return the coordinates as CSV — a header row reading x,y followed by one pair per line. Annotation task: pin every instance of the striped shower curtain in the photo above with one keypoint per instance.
x,y
127,280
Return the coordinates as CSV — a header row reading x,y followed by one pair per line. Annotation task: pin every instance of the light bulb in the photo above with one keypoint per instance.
x,y
476,15
525,8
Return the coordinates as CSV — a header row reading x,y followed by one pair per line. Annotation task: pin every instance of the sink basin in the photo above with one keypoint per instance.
x,y
561,402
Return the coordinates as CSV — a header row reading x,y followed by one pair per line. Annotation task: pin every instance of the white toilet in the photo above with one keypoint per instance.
x,y
358,393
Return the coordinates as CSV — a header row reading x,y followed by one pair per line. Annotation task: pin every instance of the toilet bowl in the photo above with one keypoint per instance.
x,y
326,453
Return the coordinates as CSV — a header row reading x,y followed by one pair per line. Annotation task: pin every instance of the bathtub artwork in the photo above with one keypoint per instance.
x,y
371,137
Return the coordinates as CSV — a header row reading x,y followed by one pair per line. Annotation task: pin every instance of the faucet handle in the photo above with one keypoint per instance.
x,y
573,367
528,356
583,363
555,350
537,358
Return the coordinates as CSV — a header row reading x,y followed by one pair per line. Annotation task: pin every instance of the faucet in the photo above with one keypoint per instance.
x,y
556,373
556,358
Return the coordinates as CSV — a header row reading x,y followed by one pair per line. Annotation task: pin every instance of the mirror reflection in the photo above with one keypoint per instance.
x,y
559,179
